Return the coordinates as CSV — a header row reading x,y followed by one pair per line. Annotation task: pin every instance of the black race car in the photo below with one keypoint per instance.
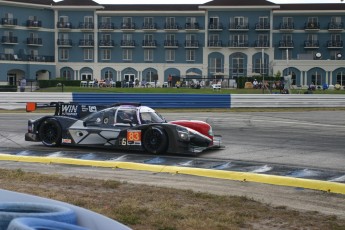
x,y
127,126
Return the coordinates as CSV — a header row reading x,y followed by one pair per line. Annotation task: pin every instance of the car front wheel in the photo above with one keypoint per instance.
x,y
155,140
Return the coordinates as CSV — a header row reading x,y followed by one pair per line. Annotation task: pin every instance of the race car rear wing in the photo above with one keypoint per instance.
x,y
72,109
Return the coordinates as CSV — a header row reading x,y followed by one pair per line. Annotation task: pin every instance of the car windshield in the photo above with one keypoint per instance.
x,y
151,117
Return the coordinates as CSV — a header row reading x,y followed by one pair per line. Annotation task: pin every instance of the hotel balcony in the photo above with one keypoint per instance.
x,y
171,44
287,27
238,27
311,44
215,27
261,44
86,43
286,44
149,26
64,25
238,44
191,26
9,40
171,26
106,43
334,44
262,26
86,26
312,26
105,26
64,42
215,44
128,26
149,44
191,44
9,22
332,26
127,43
34,41
33,24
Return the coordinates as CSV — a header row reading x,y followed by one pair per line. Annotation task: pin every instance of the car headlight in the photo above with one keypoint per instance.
x,y
183,133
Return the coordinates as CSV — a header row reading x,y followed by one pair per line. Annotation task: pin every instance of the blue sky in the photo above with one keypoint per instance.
x,y
203,1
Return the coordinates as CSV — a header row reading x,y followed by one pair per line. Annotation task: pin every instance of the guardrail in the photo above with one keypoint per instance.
x,y
17,100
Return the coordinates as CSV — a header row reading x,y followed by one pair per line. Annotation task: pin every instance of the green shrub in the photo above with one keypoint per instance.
x,y
55,82
8,88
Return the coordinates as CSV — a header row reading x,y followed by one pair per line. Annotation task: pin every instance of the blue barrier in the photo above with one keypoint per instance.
x,y
157,100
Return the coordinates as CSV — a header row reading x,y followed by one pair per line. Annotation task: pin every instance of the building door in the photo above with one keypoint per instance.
x,y
129,77
86,76
12,79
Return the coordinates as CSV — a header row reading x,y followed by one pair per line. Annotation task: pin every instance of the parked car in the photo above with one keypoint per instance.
x,y
126,126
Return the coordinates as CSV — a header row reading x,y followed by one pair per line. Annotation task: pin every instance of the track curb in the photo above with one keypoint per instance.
x,y
327,186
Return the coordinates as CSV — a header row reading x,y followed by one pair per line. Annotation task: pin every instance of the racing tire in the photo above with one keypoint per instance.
x,y
50,132
12,210
155,140
27,223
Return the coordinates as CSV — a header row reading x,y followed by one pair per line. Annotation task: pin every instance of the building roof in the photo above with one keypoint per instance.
x,y
319,6
40,2
76,3
239,3
151,7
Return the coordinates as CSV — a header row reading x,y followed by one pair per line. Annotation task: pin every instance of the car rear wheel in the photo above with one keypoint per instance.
x,y
50,132
155,140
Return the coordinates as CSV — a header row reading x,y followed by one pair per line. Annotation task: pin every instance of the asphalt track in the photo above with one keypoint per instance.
x,y
309,146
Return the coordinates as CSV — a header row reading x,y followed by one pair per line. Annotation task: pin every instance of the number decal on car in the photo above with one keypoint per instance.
x,y
133,137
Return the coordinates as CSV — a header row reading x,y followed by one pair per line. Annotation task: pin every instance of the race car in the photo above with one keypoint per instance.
x,y
124,126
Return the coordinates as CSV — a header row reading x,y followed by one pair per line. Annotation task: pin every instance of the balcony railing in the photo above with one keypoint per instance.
x,y
261,44
286,44
334,44
86,26
171,26
215,27
238,44
311,44
215,43
335,26
9,21
149,43
64,42
149,26
239,27
171,44
9,40
128,43
192,26
16,57
106,43
127,26
287,26
262,26
191,44
34,41
106,26
86,43
312,26
34,24
64,25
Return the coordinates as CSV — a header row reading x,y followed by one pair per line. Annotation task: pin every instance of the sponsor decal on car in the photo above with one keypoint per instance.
x,y
66,141
133,137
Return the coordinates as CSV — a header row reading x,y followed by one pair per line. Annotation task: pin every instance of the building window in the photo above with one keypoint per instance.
x,y
66,74
148,55
237,66
341,78
190,55
88,54
108,74
127,55
216,65
63,54
316,78
170,55
106,54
